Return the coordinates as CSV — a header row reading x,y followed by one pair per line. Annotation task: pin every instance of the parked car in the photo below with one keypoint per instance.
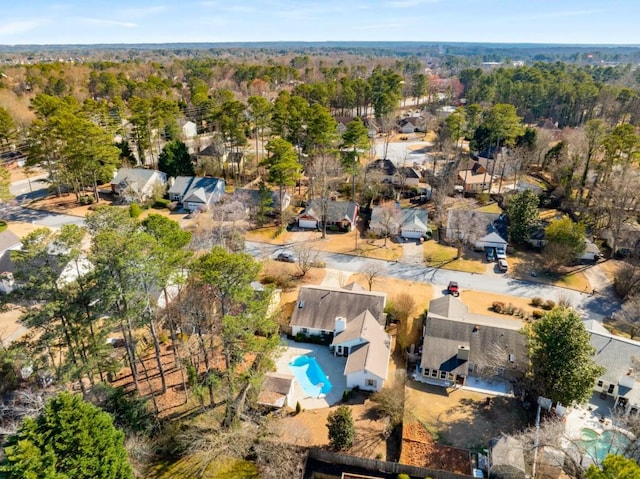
x,y
503,265
491,255
286,257
501,253
453,288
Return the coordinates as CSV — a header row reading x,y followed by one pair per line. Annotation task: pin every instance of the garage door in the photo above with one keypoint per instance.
x,y
412,234
308,224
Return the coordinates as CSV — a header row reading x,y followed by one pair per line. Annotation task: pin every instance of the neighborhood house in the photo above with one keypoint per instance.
x,y
195,193
406,222
464,349
339,214
351,320
137,184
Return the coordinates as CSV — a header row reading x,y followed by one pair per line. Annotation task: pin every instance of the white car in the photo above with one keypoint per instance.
x,y
503,265
501,253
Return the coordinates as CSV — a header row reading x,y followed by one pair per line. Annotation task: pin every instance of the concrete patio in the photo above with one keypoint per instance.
x,y
333,367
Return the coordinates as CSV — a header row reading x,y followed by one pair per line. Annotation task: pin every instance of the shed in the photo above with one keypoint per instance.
x,y
277,390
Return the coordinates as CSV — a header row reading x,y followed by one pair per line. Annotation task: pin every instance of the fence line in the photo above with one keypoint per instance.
x,y
382,466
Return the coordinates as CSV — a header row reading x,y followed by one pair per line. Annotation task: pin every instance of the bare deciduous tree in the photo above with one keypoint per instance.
x,y
307,257
371,271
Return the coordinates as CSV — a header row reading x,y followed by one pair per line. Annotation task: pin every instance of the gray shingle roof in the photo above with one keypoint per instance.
x,y
336,210
139,176
180,185
618,355
200,190
318,306
489,339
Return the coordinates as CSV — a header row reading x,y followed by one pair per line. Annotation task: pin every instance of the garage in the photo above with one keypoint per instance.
x,y
307,223
492,240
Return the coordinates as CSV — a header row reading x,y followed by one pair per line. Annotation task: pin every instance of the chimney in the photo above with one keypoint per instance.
x,y
463,352
340,324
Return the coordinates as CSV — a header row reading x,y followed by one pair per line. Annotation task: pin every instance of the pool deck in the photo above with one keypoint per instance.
x,y
333,367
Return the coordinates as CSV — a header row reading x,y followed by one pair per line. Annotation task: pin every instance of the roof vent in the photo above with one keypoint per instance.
x,y
300,304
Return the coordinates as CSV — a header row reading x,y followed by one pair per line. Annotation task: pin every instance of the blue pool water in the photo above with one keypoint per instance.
x,y
598,446
310,376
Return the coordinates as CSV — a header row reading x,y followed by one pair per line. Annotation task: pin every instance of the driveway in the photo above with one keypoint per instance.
x,y
14,212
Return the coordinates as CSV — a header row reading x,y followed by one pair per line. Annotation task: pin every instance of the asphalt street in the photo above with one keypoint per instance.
x,y
596,307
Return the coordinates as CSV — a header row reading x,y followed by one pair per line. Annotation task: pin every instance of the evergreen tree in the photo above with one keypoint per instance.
x,y
561,364
341,428
522,212
175,160
70,439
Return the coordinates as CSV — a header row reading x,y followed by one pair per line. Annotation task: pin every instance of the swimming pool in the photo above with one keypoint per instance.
x,y
310,376
598,446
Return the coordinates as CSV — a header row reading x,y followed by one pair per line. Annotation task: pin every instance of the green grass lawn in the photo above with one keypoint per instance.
x,y
490,208
440,256
3,226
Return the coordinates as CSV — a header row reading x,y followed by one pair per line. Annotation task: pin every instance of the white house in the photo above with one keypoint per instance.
x,y
189,130
367,347
407,222
351,320
137,184
340,214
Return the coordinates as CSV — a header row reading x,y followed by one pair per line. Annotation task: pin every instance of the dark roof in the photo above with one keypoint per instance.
x,y
476,223
336,210
214,150
618,355
180,185
449,325
386,167
235,157
408,172
317,307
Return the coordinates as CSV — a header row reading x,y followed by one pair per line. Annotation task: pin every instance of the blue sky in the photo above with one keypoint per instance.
x,y
149,21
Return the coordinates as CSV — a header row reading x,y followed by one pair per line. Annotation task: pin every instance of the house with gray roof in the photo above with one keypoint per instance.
x,y
621,359
407,222
137,184
339,214
460,347
196,193
352,321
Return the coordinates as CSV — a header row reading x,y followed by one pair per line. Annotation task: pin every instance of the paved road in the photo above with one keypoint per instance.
x,y
30,188
595,307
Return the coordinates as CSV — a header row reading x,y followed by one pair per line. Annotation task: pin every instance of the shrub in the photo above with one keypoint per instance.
x,y
537,302
510,309
163,337
135,210
549,305
483,198
403,476
161,203
298,408
520,313
537,314
498,306
345,395
86,200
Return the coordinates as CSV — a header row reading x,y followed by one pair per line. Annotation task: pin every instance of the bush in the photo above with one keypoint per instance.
x,y
520,313
510,309
86,200
163,337
537,301
498,306
346,394
135,210
483,198
161,203
549,305
298,407
403,476
537,314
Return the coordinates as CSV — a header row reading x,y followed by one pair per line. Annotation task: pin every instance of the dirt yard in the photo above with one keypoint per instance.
x,y
461,418
523,264
309,428
10,328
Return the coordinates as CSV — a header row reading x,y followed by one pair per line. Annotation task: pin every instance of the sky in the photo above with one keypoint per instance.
x,y
172,21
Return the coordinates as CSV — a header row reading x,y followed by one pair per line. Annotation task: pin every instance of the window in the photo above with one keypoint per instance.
x,y
611,387
371,383
426,371
434,373
339,350
443,374
599,384
305,330
450,376
633,411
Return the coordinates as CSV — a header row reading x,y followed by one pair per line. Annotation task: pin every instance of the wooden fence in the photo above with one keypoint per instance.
x,y
382,466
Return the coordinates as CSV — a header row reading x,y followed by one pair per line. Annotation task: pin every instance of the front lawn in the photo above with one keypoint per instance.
x,y
441,256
